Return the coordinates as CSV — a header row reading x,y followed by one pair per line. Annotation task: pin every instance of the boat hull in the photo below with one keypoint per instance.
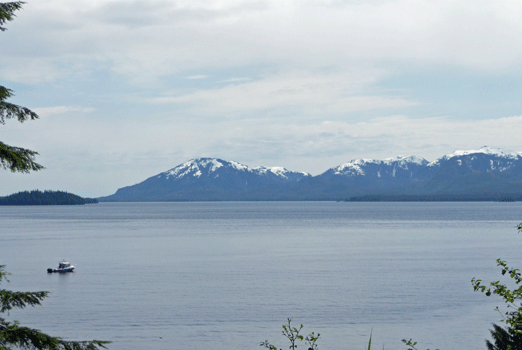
x,y
70,269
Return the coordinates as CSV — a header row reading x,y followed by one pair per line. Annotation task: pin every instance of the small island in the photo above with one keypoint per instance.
x,y
38,197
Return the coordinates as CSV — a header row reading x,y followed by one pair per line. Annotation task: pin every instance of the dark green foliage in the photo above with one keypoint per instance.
x,y
44,198
15,336
10,111
16,159
6,14
504,339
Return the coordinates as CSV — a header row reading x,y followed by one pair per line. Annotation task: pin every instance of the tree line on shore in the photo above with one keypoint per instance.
x,y
38,197
473,197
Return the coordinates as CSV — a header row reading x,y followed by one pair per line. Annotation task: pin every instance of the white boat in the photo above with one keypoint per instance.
x,y
63,266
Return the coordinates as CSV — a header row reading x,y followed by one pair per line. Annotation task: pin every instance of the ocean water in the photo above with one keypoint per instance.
x,y
227,275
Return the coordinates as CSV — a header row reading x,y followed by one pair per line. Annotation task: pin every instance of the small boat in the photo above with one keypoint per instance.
x,y
63,266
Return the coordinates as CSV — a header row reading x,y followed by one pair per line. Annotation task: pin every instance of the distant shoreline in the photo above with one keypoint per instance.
x,y
516,197
38,197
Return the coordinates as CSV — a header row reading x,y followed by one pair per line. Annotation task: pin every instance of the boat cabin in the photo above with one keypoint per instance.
x,y
63,265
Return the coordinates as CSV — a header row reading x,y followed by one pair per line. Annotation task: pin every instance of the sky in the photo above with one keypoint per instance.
x,y
126,89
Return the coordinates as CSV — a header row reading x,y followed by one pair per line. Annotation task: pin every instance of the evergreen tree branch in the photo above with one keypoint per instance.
x,y
5,93
18,159
14,158
7,12
3,274
28,338
10,110
10,300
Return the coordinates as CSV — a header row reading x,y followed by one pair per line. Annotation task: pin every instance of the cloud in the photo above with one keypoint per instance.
x,y
235,80
145,40
327,144
48,111
30,70
196,77
307,93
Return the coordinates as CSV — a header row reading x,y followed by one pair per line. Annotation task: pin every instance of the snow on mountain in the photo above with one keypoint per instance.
x,y
404,161
210,179
192,168
485,159
485,150
212,167
353,167
362,167
279,171
359,174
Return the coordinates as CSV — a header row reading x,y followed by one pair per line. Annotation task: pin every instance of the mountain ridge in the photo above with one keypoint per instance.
x,y
486,170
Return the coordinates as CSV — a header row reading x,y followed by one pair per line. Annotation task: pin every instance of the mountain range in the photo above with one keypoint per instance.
x,y
486,171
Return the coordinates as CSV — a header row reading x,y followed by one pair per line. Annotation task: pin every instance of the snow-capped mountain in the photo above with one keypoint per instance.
x,y
376,174
209,179
213,168
369,176
385,167
486,170
485,150
485,159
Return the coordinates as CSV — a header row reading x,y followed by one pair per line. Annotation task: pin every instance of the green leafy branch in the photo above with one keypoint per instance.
x,y
512,297
293,334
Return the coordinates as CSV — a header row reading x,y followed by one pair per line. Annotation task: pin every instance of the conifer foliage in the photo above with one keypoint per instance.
x,y
15,336
16,159
12,334
45,198
504,338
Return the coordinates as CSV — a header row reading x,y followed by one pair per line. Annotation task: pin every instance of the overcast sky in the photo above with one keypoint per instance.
x,y
128,89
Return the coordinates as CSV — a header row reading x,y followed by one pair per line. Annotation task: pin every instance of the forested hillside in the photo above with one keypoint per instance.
x,y
37,197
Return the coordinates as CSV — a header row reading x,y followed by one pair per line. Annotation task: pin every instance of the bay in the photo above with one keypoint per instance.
x,y
227,275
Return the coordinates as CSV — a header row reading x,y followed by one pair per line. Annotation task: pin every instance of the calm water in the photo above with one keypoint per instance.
x,y
227,275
